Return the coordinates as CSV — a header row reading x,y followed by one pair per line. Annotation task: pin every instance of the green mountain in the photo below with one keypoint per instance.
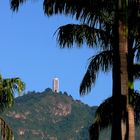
x,y
49,116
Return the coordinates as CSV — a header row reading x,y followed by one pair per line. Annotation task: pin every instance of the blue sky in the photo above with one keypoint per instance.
x,y
29,50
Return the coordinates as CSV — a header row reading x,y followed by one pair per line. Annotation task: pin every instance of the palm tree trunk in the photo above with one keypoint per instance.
x,y
131,121
123,51
130,107
120,97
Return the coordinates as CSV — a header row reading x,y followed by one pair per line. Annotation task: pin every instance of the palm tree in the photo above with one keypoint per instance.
x,y
100,16
120,68
104,61
104,114
75,33
8,87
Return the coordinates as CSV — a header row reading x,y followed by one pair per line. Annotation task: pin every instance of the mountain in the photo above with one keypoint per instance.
x,y
49,116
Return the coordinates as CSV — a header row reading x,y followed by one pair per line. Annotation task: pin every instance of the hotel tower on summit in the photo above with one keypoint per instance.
x,y
56,85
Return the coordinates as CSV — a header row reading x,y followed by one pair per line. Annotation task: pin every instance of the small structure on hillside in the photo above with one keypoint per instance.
x,y
56,85
21,131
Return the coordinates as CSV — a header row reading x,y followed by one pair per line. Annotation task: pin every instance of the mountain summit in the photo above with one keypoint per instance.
x,y
49,116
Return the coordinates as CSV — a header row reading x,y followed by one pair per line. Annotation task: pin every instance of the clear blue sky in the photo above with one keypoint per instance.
x,y
29,50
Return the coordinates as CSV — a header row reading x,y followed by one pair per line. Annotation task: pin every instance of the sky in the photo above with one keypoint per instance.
x,y
29,50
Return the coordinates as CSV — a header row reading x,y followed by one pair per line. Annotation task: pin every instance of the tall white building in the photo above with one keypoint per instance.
x,y
56,85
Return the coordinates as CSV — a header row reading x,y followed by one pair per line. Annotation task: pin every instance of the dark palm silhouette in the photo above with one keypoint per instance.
x,y
105,24
104,61
104,114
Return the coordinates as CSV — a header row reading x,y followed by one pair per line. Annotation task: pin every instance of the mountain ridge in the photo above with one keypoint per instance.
x,y
49,116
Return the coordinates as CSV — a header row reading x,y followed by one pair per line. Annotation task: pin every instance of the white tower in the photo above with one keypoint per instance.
x,y
56,85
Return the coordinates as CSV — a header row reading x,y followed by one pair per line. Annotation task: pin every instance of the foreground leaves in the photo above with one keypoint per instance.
x,y
8,87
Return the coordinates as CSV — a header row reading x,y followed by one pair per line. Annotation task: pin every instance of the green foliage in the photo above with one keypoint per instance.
x,y
5,131
8,87
50,114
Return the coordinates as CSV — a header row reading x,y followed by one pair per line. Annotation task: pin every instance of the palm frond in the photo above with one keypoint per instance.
x,y
15,84
100,62
136,104
94,131
5,130
87,82
137,51
103,118
80,8
91,12
69,34
8,87
15,4
136,71
104,114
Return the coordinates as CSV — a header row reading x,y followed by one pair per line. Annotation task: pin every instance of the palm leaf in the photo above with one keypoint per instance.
x,y
136,71
15,84
5,130
85,11
103,118
94,131
102,61
81,9
15,4
91,12
7,89
80,34
137,51
104,114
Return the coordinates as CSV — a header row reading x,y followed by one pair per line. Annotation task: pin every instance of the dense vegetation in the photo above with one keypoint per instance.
x,y
49,115
52,116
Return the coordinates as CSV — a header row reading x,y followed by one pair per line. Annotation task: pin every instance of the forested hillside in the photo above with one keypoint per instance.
x,y
49,116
